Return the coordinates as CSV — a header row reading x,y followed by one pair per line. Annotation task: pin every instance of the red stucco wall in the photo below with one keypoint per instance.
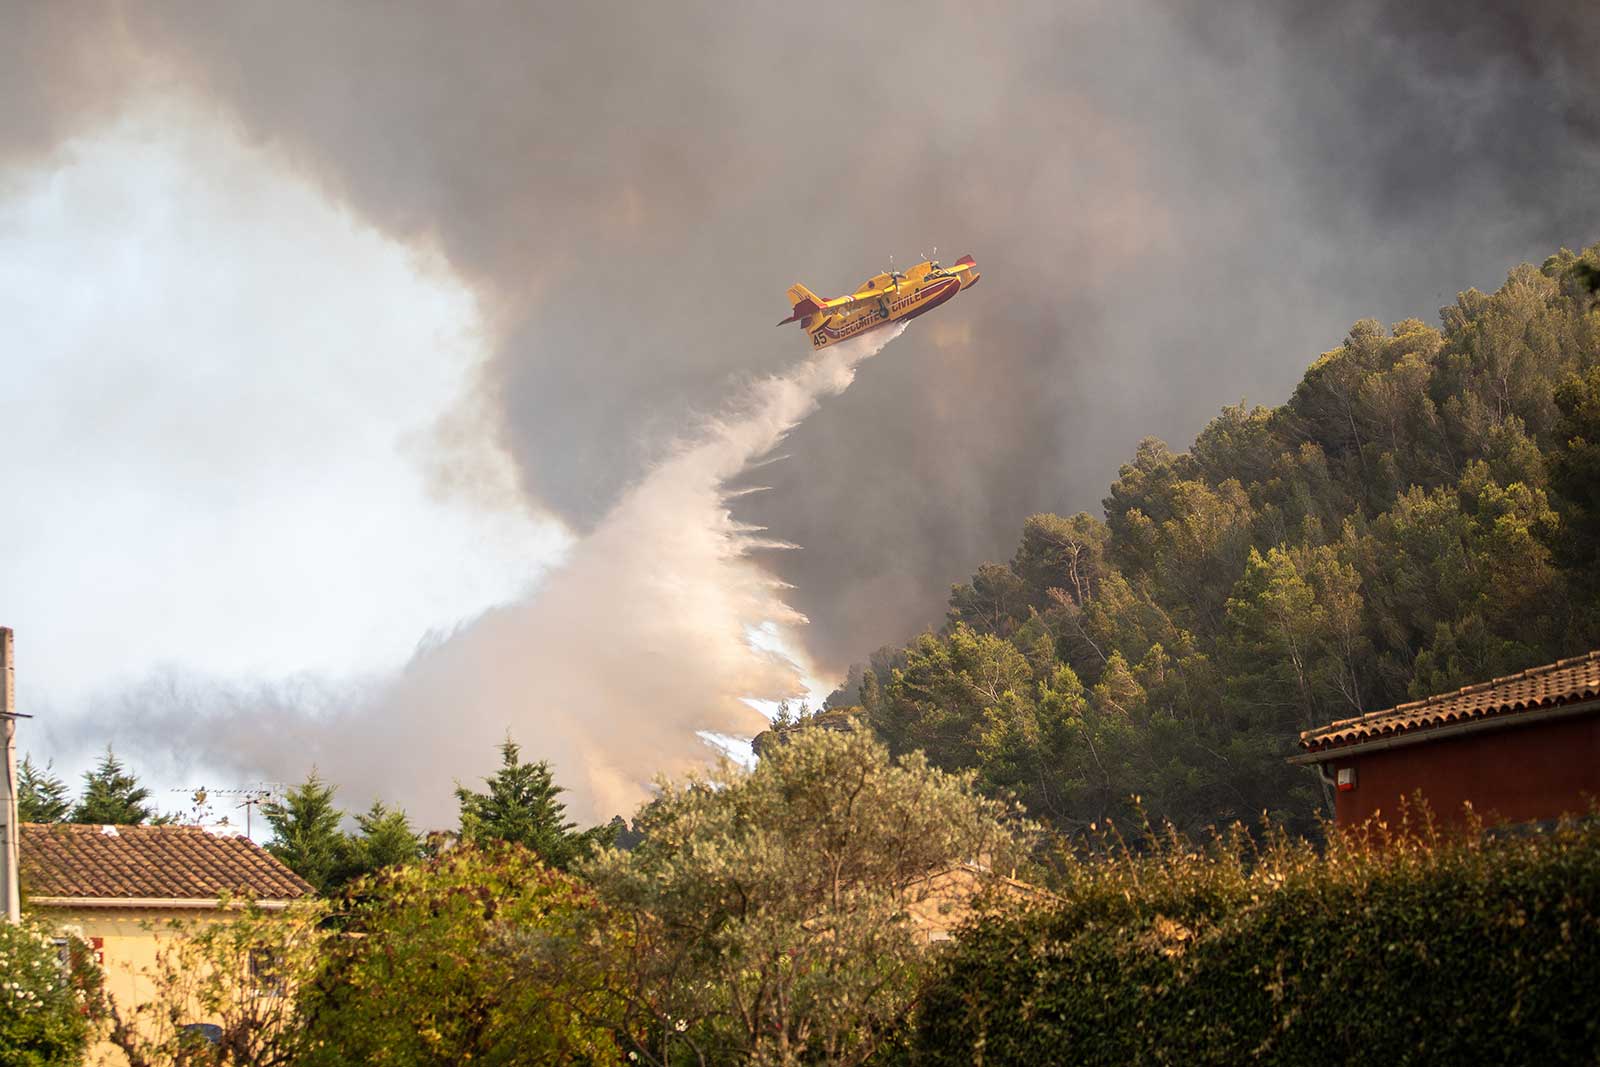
x,y
1514,774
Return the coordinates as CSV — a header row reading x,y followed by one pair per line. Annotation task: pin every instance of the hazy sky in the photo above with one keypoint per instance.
x,y
330,325
220,392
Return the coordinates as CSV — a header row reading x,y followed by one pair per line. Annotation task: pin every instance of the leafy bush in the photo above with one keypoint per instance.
x,y
1394,947
42,1020
766,917
417,977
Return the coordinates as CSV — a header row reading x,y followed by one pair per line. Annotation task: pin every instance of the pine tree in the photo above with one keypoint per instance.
x,y
305,832
521,807
386,840
41,796
112,796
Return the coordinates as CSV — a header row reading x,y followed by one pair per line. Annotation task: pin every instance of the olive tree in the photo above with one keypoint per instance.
x,y
224,992
766,916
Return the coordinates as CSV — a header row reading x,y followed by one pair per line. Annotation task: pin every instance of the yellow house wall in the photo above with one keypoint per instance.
x,y
130,941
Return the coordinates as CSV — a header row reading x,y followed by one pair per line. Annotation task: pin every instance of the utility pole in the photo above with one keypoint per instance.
x,y
8,806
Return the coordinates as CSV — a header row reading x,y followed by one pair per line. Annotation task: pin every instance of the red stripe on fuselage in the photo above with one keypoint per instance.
x,y
952,287
942,291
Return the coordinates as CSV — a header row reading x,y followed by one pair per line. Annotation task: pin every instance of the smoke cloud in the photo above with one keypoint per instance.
x,y
1173,206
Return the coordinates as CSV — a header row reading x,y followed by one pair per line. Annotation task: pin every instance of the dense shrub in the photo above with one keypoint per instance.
x,y
1390,948
42,1020
415,977
765,918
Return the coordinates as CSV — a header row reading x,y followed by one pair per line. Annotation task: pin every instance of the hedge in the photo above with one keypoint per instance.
x,y
1388,946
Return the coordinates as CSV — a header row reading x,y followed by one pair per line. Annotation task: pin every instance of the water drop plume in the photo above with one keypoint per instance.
x,y
637,642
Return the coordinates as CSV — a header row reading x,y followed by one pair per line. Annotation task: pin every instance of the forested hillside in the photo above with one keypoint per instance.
x,y
1422,513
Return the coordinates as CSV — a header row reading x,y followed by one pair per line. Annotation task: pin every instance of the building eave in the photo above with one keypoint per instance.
x,y
169,903
1504,720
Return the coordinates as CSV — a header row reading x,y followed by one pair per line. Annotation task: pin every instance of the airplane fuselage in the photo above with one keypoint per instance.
x,y
883,299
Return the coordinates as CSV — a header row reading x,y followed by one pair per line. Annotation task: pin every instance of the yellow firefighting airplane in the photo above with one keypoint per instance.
x,y
882,299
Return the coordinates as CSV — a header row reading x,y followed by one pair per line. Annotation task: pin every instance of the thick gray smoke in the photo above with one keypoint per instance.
x,y
1173,205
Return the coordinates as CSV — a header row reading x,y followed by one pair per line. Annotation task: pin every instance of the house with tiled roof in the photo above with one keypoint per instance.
x,y
117,887
1523,748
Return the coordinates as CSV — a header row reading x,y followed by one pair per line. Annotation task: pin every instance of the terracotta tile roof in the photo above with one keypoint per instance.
x,y
149,862
1567,681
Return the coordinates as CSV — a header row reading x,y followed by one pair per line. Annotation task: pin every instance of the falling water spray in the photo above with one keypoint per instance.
x,y
631,650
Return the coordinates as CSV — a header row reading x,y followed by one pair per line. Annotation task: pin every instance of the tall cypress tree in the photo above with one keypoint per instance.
x,y
112,796
386,839
305,832
41,796
521,807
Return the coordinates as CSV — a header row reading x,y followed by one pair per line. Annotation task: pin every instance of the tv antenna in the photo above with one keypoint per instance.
x,y
250,798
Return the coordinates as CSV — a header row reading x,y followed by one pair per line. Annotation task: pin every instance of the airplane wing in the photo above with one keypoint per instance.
x,y
854,303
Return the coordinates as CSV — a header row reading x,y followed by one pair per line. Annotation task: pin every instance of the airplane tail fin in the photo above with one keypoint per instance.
x,y
805,303
799,294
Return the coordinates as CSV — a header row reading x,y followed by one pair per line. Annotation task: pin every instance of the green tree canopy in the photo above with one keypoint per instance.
x,y
1421,513
385,839
764,916
306,834
520,806
41,795
112,796
430,981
